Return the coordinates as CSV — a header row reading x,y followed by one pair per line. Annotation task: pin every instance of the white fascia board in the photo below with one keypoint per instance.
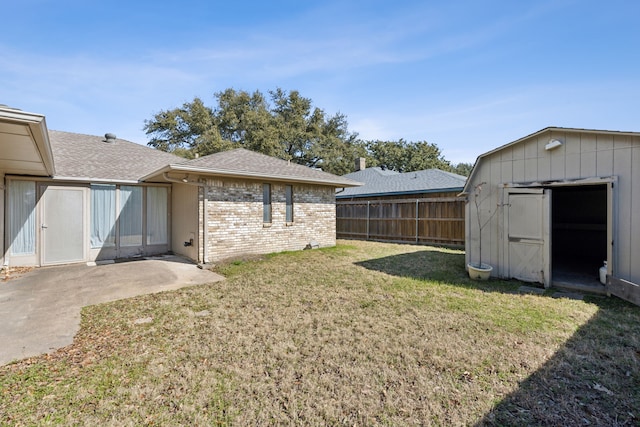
x,y
156,173
39,132
95,180
41,137
21,116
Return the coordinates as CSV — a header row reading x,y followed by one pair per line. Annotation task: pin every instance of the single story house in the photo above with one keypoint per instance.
x,y
555,206
418,207
66,198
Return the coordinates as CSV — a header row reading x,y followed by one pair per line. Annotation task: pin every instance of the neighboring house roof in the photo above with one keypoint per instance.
x,y
92,158
466,189
379,182
242,163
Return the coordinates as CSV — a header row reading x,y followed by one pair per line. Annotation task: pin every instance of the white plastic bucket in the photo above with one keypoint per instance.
x,y
603,273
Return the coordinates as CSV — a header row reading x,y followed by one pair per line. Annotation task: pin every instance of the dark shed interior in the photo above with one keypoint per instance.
x,y
578,233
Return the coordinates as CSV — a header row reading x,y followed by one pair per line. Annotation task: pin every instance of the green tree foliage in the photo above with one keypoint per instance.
x,y
244,120
185,130
463,169
286,126
404,156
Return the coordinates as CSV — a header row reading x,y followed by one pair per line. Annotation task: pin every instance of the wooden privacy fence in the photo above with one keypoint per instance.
x,y
437,220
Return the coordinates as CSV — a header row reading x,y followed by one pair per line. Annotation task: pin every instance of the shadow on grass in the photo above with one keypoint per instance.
x,y
592,380
439,265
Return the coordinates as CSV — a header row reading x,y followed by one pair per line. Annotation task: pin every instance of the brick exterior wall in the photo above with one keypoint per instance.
x,y
234,218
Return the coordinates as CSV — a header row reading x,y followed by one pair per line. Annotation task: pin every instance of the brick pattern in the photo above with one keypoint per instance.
x,y
234,218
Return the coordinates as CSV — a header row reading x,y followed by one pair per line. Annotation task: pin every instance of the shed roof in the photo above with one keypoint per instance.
x,y
91,158
379,182
244,163
535,134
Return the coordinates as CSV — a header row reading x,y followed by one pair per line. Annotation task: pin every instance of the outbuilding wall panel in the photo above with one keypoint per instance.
x,y
622,158
583,155
633,212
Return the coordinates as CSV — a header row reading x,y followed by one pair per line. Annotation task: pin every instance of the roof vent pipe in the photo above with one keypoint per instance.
x,y
110,137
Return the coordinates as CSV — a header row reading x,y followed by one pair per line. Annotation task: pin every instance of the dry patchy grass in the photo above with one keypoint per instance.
x,y
8,273
362,334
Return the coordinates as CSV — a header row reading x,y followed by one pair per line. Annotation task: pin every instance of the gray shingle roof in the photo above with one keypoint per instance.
x,y
378,182
90,157
245,163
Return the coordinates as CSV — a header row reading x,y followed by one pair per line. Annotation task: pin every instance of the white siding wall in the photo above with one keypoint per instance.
x,y
582,155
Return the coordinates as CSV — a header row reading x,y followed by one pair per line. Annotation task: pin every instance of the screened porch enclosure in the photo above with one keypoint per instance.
x,y
51,223
21,204
128,221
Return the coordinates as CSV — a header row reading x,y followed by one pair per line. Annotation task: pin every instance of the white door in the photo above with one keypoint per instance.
x,y
527,243
63,228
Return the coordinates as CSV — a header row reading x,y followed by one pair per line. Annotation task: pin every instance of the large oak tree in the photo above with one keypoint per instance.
x,y
284,125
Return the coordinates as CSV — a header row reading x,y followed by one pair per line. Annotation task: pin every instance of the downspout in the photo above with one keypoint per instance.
x,y
205,251
3,262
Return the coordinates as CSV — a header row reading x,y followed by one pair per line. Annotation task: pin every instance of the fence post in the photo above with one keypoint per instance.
x,y
368,218
417,223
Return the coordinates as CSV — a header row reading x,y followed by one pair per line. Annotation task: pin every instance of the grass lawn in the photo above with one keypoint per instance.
x,y
361,334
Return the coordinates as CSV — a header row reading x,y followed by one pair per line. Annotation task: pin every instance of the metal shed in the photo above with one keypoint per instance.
x,y
555,205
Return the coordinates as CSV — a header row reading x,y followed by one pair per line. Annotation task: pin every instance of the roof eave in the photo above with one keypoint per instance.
x,y
400,193
252,175
534,134
38,128
96,180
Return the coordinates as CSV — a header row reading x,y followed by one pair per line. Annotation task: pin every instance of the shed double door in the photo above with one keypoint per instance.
x,y
527,245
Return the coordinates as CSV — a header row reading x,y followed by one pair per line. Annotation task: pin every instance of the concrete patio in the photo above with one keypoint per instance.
x,y
40,310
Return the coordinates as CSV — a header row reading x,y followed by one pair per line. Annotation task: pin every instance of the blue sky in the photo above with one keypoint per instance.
x,y
466,75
